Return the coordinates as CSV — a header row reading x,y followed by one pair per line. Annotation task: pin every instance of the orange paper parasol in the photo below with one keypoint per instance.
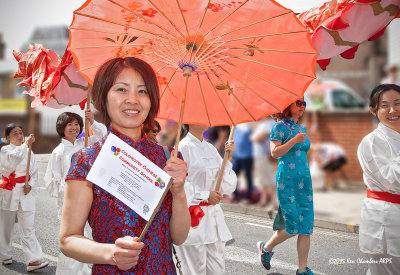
x,y
239,60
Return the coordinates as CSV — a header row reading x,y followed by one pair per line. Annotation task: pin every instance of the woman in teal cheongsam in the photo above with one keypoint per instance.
x,y
295,216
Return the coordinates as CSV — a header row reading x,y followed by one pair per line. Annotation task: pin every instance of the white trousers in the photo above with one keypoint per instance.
x,y
69,266
203,259
29,243
383,264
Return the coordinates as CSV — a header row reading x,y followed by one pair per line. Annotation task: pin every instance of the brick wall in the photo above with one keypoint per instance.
x,y
346,129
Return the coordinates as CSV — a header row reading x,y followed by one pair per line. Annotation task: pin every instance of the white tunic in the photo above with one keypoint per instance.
x,y
15,158
204,163
60,161
379,156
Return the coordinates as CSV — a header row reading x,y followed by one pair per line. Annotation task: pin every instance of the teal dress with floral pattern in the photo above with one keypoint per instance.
x,y
293,182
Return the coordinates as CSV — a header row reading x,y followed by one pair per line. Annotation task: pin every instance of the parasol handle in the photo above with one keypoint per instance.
x,y
178,135
87,120
32,123
28,164
226,157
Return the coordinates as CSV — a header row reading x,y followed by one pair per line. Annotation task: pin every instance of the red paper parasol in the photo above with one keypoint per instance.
x,y
339,26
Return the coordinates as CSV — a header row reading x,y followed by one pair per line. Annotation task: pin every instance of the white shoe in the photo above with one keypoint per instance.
x,y
7,261
36,266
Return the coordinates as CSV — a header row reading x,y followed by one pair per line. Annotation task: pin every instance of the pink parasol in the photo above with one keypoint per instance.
x,y
54,82
339,26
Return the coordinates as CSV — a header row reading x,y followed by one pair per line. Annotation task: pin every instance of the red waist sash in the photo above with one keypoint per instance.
x,y
383,196
10,182
196,213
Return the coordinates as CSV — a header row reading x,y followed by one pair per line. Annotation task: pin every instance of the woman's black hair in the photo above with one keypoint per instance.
x,y
9,128
155,124
185,130
378,91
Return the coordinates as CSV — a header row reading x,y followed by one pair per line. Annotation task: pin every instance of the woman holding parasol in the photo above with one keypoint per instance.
x,y
203,250
205,48
125,91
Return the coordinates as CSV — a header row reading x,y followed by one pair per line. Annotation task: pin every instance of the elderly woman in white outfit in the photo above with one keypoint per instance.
x,y
203,250
69,126
379,156
16,199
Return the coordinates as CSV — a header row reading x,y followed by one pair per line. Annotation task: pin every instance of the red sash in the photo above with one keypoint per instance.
x,y
196,213
10,182
383,196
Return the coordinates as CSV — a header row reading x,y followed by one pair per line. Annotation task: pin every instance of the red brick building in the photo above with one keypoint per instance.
x,y
346,129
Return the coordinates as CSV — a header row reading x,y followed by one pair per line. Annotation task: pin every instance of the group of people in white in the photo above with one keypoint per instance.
x,y
17,198
203,161
203,250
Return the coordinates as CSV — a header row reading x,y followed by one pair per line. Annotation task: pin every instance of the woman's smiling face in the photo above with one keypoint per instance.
x,y
388,111
128,102
72,130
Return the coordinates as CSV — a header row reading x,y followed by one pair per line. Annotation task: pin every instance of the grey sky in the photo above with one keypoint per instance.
x,y
18,18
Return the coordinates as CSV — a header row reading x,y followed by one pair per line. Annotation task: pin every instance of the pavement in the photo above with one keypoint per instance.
x,y
337,210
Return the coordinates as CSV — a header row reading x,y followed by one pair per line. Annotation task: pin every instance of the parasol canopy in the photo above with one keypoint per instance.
x,y
239,60
339,26
53,81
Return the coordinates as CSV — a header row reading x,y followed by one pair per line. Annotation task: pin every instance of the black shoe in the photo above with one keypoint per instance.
x,y
307,272
265,256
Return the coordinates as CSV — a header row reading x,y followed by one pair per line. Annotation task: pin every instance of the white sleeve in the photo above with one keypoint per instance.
x,y
229,181
99,131
376,157
193,195
33,173
11,157
388,165
54,175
